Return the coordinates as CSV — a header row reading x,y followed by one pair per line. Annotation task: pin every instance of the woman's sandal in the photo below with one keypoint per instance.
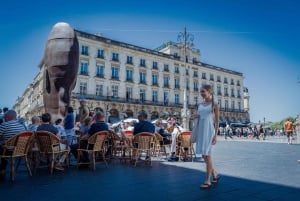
x,y
205,186
216,179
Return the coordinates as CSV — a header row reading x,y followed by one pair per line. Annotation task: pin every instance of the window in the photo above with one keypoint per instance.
x,y
225,91
225,80
154,79
226,105
154,65
187,85
166,98
114,72
232,105
83,68
129,60
129,76
85,50
100,54
220,103
196,88
238,93
194,60
99,90
239,106
128,93
177,99
154,96
166,81
219,90
100,71
142,77
218,78
195,73
115,56
232,92
211,77
232,82
166,67
238,83
142,95
204,76
176,69
196,101
115,90
176,82
186,71
83,88
143,62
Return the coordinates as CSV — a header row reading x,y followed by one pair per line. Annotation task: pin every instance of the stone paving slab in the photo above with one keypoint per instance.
x,y
250,171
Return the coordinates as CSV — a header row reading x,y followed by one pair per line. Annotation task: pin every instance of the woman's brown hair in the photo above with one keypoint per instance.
x,y
209,88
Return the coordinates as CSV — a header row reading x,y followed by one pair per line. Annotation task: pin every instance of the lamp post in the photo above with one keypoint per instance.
x,y
186,40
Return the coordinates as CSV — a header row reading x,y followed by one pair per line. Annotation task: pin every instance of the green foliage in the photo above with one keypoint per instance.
x,y
279,125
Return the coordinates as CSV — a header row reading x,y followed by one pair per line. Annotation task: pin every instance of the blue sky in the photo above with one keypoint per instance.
x,y
256,37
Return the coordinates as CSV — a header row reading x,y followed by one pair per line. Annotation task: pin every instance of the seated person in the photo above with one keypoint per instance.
x,y
174,131
84,128
60,128
143,125
46,125
98,125
159,128
36,120
10,127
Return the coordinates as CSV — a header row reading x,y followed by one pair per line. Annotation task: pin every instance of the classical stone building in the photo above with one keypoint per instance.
x,y
123,79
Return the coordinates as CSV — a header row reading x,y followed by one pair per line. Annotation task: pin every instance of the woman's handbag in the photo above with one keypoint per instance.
x,y
194,135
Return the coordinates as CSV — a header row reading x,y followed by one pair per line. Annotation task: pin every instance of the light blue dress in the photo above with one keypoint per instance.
x,y
205,129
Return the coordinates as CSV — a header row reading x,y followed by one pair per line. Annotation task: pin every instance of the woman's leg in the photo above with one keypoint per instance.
x,y
209,169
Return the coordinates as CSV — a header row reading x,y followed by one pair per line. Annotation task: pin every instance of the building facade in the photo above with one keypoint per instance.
x,y
123,79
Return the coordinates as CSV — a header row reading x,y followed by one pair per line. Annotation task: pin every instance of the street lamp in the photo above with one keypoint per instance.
x,y
186,41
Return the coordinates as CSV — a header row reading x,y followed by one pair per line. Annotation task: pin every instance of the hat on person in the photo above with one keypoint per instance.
x,y
82,100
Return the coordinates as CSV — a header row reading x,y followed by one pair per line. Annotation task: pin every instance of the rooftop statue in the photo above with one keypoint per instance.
x,y
60,64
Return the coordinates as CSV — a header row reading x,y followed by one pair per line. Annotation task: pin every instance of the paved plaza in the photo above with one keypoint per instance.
x,y
250,170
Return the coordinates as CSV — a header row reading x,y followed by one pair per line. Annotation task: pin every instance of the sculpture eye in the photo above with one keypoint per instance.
x,y
47,79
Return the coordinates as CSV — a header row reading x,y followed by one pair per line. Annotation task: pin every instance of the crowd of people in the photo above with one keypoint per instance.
x,y
86,123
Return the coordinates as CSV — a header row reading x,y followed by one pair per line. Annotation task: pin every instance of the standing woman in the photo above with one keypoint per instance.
x,y
208,117
69,123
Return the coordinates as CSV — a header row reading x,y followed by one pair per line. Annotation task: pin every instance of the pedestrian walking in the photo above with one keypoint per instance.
x,y
207,130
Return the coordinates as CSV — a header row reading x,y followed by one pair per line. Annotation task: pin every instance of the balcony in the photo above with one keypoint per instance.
x,y
166,85
84,73
115,78
129,79
100,75
143,82
116,59
99,56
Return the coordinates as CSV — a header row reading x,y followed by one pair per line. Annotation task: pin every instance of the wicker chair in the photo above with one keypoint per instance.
x,y
160,145
117,146
143,143
18,147
49,146
96,145
185,147
126,145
